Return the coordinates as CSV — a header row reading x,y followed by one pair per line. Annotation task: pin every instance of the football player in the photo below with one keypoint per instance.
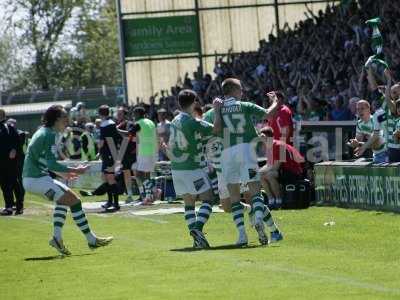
x,y
39,161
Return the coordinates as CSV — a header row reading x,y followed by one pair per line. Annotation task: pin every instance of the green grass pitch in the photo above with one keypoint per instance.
x,y
356,258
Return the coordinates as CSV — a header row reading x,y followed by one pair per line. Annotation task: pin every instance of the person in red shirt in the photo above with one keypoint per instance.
x,y
282,121
284,164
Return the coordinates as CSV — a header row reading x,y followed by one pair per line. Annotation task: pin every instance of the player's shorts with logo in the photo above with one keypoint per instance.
x,y
193,182
239,164
46,186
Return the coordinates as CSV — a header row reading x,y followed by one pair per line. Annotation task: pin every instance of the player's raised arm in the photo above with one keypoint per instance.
x,y
217,116
271,110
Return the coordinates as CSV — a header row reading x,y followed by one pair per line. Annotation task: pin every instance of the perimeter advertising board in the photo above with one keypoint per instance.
x,y
358,185
160,36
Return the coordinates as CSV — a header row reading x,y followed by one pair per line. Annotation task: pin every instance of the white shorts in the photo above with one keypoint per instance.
x,y
223,187
146,163
239,164
193,182
45,186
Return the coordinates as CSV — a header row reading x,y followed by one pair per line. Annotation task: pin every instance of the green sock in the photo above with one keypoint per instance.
x,y
269,220
190,217
80,220
238,215
203,214
257,204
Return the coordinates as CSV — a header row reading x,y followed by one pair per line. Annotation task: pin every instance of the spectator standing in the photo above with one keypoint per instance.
x,y
392,116
96,131
88,149
282,121
146,138
18,189
73,142
78,114
163,131
8,168
388,115
152,110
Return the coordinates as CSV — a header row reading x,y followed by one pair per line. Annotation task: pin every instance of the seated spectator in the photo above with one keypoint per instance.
x,y
284,164
366,137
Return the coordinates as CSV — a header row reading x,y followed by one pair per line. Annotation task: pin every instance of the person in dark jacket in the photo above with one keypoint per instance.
x,y
18,189
9,147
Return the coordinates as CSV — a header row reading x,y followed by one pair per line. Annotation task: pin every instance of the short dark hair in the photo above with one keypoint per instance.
x,y
229,85
104,110
268,131
186,98
139,111
52,114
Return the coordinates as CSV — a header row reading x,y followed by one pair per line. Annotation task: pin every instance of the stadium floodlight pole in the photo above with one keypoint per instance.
x,y
196,7
276,6
122,50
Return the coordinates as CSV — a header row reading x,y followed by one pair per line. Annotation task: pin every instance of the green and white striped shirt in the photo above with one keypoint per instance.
x,y
214,146
367,128
384,120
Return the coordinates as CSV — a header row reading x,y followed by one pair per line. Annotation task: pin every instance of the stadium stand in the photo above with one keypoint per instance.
x,y
318,64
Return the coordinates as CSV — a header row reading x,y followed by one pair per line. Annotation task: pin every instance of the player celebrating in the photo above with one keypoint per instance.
x,y
238,159
190,180
39,160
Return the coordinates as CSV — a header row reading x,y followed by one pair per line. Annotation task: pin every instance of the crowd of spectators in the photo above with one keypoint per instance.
x,y
318,64
318,67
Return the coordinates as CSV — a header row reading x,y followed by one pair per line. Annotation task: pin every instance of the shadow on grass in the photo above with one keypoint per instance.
x,y
54,257
222,247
